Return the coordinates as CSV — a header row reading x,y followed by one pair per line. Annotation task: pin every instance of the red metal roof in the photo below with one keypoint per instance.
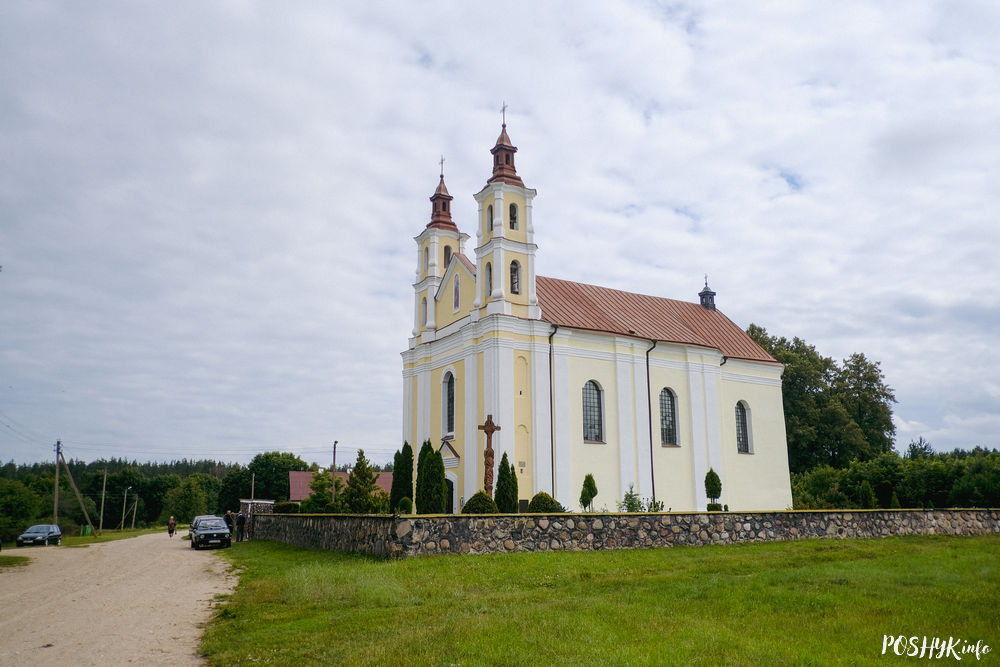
x,y
593,308
298,483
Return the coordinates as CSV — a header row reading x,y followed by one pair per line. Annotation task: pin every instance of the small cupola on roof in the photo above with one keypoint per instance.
x,y
441,206
707,296
503,160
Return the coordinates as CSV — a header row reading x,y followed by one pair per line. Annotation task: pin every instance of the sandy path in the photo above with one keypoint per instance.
x,y
141,600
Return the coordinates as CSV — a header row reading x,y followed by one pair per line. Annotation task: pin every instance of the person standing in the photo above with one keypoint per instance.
x,y
230,522
241,522
171,527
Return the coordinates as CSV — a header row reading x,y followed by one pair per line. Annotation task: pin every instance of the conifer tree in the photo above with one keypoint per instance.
x,y
506,492
359,496
402,476
713,485
423,504
435,489
588,493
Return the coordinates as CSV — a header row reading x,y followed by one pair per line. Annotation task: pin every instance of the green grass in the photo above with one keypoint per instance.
x,y
13,561
809,602
107,536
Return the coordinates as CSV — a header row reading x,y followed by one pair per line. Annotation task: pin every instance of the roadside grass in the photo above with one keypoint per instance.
x,y
811,602
13,561
108,536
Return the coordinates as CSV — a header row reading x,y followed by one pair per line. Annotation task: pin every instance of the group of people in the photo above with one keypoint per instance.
x,y
237,525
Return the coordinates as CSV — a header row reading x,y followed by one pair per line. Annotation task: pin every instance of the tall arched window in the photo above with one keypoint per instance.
x,y
513,216
742,429
447,255
515,278
423,312
427,255
457,294
489,218
668,417
489,279
593,412
449,404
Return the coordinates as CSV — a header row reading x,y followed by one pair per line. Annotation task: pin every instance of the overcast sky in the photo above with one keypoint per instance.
x,y
207,210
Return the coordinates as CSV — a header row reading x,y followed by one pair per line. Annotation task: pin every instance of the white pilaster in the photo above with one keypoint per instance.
x,y
626,420
699,444
564,431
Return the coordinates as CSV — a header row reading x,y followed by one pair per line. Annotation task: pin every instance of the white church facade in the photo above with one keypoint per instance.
x,y
637,390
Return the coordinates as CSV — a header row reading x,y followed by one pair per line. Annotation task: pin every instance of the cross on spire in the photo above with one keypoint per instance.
x,y
503,113
442,166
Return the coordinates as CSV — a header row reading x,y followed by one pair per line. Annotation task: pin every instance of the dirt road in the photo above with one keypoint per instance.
x,y
136,601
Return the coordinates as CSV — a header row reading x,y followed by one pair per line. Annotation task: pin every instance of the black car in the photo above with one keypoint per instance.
x,y
43,534
211,532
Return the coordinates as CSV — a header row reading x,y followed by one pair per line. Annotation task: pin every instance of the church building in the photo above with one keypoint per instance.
x,y
640,391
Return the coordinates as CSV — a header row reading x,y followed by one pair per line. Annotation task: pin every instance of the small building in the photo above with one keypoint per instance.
x,y
299,480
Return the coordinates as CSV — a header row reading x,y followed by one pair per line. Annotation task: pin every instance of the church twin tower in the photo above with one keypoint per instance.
x,y
645,393
502,281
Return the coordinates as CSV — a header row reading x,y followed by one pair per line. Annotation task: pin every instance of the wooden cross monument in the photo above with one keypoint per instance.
x,y
489,428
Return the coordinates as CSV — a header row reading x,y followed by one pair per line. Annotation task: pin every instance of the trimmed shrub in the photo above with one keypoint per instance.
x,y
404,506
480,503
713,485
714,507
286,507
588,493
543,503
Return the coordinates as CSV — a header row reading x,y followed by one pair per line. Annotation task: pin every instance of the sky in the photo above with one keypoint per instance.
x,y
207,210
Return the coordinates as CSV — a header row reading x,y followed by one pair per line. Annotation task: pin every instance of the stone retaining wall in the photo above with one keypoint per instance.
x,y
404,536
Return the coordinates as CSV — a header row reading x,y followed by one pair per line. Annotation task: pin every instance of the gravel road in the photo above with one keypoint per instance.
x,y
137,601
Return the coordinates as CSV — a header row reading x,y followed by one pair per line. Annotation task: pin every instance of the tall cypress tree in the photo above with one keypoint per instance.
x,y
425,503
434,498
402,477
506,493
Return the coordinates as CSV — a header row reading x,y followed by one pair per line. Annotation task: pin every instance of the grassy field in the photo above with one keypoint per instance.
x,y
814,602
108,536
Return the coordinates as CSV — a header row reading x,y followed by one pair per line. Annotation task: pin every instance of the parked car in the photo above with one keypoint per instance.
x,y
43,534
194,521
211,532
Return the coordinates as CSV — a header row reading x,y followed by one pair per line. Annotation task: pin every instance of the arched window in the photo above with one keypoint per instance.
x,y
513,216
447,255
427,255
668,417
458,294
489,279
489,218
423,312
742,429
515,278
593,412
449,404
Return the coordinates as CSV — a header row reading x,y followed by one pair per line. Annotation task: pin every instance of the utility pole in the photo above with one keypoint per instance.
x,y
333,472
124,505
55,494
79,498
253,482
135,508
103,487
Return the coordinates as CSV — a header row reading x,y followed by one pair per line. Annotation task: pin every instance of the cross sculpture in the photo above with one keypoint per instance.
x,y
489,428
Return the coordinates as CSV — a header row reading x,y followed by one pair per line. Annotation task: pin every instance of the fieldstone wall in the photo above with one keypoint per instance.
x,y
404,536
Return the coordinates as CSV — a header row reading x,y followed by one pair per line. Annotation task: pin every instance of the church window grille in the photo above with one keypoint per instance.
x,y
513,216
457,294
506,158
593,412
489,279
427,255
668,417
489,218
515,278
447,255
742,429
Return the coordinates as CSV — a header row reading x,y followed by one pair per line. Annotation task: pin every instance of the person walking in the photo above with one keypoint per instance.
x,y
171,527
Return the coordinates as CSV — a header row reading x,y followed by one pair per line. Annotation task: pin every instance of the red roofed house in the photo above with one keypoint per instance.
x,y
299,480
638,390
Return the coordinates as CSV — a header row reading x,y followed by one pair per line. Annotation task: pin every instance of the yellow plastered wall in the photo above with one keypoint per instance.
x,y
672,465
523,419
602,460
759,480
445,312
